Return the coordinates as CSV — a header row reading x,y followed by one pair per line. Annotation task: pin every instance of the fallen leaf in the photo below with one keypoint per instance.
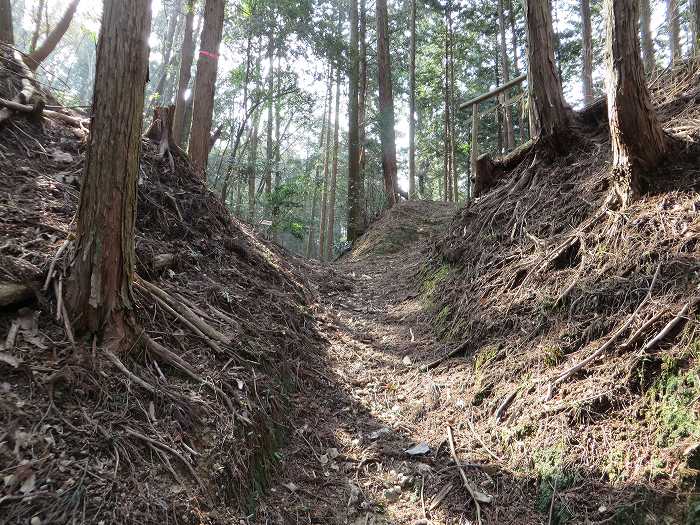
x,y
418,450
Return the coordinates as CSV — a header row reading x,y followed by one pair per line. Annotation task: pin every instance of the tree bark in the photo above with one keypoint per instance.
x,y
638,141
205,84
326,173
550,113
386,104
186,59
167,53
99,288
362,114
446,182
7,35
37,26
412,104
252,162
674,30
270,89
355,225
334,173
587,55
509,132
53,38
647,40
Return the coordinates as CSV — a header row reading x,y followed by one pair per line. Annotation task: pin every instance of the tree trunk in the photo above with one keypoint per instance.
x,y
674,30
205,84
647,40
37,26
355,225
252,161
326,167
99,288
312,226
696,40
638,141
334,173
167,53
186,58
587,58
6,31
386,104
446,182
453,111
509,132
412,104
362,113
53,38
550,113
270,90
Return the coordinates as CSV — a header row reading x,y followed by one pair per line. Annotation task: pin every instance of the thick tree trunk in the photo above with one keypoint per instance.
x,y
205,84
334,172
355,225
270,89
186,58
509,132
647,40
587,55
386,104
550,113
7,35
412,104
53,38
674,30
99,288
312,226
638,141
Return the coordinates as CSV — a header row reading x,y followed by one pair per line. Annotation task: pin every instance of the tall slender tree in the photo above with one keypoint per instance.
x,y
37,25
53,38
7,35
168,44
354,181
386,104
269,155
412,103
647,40
99,288
509,133
638,141
549,111
674,29
587,55
334,172
323,225
186,59
205,83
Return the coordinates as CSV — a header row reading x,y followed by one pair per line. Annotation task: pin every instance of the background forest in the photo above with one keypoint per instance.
x,y
274,148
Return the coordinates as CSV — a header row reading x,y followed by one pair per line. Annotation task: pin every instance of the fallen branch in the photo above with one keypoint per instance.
x,y
504,405
185,311
456,351
175,360
13,293
476,495
671,324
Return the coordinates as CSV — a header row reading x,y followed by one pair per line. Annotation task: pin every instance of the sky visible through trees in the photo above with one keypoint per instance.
x,y
306,46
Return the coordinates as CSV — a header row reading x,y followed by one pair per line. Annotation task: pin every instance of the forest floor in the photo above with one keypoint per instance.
x,y
349,460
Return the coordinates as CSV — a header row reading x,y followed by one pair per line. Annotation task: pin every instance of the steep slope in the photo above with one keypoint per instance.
x,y
580,321
182,428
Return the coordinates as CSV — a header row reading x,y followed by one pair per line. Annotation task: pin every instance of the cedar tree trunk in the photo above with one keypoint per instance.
x,y
99,288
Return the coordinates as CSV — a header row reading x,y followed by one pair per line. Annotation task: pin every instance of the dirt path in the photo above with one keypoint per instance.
x,y
346,461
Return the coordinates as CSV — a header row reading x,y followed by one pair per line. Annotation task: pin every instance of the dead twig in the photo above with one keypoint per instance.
x,y
476,495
